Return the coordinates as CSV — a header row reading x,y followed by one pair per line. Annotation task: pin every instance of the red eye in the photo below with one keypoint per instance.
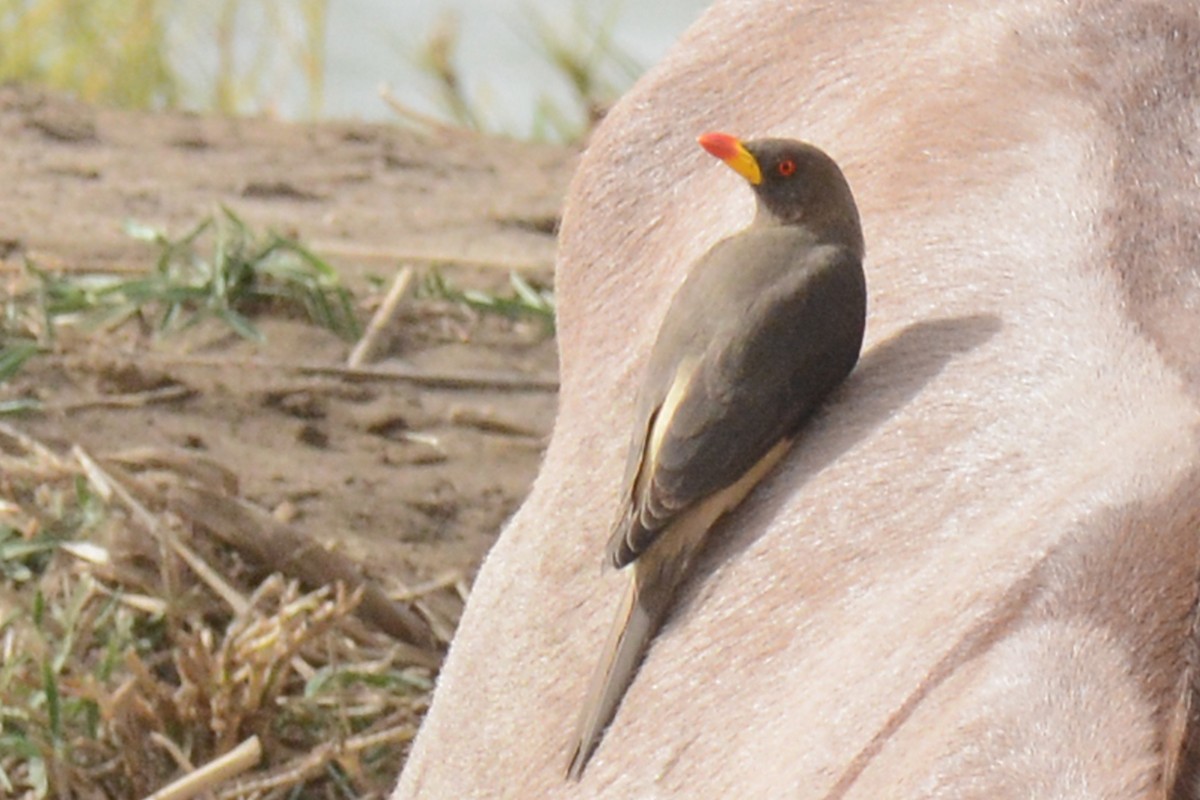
x,y
786,167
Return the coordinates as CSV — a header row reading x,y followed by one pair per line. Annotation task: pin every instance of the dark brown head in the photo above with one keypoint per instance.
x,y
796,184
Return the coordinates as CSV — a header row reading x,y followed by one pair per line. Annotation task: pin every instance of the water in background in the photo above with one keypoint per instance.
x,y
505,74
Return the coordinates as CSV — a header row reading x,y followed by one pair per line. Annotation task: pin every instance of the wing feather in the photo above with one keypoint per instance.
x,y
736,369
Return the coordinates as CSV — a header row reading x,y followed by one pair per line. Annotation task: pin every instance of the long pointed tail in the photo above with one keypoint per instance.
x,y
656,574
651,593
635,624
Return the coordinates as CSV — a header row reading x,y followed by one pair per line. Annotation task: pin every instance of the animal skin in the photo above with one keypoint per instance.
x,y
975,574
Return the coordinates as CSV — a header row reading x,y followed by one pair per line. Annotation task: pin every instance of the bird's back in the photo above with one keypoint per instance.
x,y
769,345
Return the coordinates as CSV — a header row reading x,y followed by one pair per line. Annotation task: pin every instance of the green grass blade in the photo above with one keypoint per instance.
x,y
13,356
241,325
53,708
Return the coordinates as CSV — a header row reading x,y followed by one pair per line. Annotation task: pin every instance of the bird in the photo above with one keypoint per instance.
x,y
766,324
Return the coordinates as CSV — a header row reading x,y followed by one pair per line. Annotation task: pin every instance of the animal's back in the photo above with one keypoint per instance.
x,y
975,576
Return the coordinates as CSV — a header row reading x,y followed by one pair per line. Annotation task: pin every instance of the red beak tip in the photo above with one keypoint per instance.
x,y
721,145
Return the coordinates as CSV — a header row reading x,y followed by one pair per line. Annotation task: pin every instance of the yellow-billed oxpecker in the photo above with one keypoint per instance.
x,y
765,325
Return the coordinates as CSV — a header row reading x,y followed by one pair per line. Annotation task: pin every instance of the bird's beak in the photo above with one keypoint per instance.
x,y
730,150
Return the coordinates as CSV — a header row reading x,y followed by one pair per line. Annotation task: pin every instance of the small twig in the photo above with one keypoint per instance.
x,y
32,446
396,733
409,594
313,763
88,552
177,755
382,317
105,482
145,603
486,421
440,379
214,773
285,550
164,394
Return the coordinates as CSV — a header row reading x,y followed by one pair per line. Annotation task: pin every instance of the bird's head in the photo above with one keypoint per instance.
x,y
796,183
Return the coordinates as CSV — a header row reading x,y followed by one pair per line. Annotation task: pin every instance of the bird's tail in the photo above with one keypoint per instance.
x,y
651,593
657,573
635,624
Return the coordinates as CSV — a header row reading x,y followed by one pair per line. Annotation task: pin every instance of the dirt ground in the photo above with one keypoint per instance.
x,y
411,467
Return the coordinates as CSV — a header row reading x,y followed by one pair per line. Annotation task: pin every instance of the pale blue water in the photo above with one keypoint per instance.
x,y
372,42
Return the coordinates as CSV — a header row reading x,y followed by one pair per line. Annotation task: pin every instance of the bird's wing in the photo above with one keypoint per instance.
x,y
763,371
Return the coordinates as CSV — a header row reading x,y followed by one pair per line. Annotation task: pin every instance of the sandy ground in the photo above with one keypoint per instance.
x,y
408,478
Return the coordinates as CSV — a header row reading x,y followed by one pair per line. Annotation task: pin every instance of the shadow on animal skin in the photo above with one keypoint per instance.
x,y
887,377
